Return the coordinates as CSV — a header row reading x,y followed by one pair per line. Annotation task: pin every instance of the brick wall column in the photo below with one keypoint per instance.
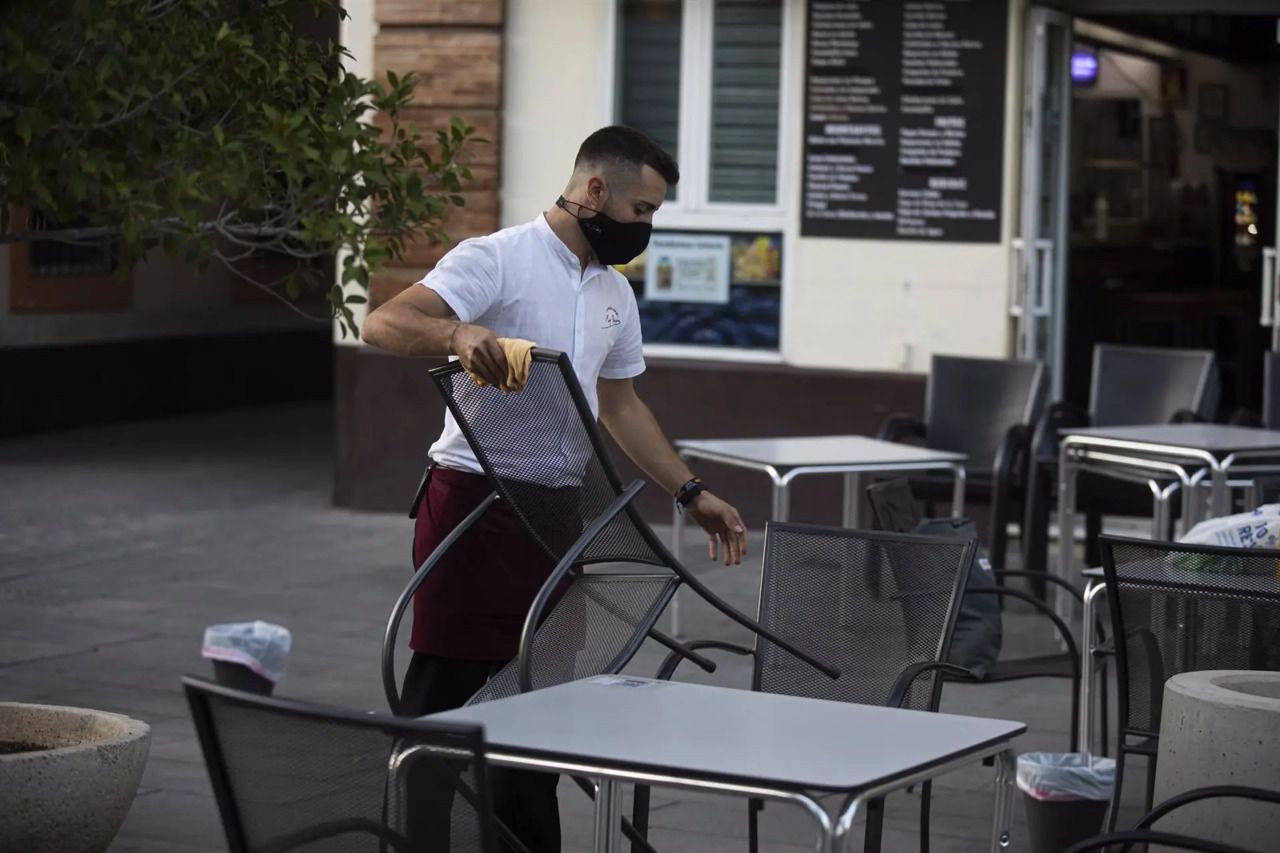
x,y
454,47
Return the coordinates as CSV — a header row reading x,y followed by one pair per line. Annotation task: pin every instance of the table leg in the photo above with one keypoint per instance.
x,y
608,828
781,501
1087,668
957,491
1006,773
853,501
1220,499
677,536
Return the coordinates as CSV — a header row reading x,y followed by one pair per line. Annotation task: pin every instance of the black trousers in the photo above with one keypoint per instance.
x,y
525,801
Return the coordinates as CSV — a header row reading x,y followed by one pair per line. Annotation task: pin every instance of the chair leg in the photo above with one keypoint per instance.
x,y
1074,738
999,528
640,813
1092,530
1035,532
1114,810
754,807
1104,716
926,790
875,825
1151,782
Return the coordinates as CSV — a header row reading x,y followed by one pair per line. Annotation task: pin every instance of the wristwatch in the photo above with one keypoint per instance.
x,y
685,494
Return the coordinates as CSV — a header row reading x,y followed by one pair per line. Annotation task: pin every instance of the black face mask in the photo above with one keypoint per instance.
x,y
612,241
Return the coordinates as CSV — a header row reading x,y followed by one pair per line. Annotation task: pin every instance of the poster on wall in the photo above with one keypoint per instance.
x,y
904,119
687,268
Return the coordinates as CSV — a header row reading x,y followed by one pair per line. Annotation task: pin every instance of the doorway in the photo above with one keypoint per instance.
x,y
1172,191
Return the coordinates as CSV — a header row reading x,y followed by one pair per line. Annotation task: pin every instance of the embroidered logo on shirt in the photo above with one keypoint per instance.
x,y
611,318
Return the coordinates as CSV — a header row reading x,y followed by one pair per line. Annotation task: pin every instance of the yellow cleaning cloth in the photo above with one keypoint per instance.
x,y
519,353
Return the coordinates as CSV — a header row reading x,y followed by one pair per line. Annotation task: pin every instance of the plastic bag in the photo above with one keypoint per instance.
x,y
261,646
1257,529
1066,776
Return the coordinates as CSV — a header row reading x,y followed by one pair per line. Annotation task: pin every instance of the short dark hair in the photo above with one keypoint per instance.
x,y
625,146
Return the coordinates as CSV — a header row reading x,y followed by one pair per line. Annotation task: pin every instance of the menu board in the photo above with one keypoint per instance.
x,y
904,119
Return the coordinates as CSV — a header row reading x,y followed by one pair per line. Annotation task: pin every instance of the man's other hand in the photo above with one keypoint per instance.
x,y
480,353
726,534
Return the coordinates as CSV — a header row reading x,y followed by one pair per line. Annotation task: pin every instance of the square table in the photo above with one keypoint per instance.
x,y
1169,457
786,459
616,729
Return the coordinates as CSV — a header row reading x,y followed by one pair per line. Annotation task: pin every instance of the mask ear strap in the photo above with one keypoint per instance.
x,y
562,201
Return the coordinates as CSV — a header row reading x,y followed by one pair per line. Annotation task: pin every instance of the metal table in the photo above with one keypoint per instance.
x,y
618,729
1170,459
786,459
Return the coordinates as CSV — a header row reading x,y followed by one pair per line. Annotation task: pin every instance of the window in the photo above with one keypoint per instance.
x,y
702,77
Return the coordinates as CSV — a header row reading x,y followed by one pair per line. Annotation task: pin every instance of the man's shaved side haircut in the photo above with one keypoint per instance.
x,y
625,149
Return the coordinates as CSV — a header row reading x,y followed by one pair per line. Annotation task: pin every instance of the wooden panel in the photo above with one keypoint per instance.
x,y
454,68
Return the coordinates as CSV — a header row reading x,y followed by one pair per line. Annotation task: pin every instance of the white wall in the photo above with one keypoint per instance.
x,y
356,34
857,304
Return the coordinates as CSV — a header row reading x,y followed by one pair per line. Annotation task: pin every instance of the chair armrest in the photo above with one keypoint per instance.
x,y
900,427
1207,793
672,660
914,671
682,650
1059,415
1047,612
1011,456
1129,837
1072,589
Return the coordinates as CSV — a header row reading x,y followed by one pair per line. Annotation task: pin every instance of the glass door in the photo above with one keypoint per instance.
x,y
1270,269
1040,253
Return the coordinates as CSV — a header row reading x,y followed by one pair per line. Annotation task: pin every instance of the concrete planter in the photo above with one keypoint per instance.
x,y
1221,727
72,795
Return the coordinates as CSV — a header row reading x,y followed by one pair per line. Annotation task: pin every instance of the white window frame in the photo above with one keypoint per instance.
x,y
692,207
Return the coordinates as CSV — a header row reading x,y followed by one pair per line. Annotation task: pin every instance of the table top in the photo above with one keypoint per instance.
x,y
1214,438
820,450
721,734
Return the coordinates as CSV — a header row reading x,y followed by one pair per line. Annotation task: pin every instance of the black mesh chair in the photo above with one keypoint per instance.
x,y
293,776
880,606
984,408
894,507
1143,833
1180,608
1130,386
542,451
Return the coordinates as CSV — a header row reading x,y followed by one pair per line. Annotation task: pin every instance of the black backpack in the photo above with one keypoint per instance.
x,y
978,632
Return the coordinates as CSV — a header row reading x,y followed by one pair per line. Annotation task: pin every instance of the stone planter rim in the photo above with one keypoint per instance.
x,y
130,729
1210,683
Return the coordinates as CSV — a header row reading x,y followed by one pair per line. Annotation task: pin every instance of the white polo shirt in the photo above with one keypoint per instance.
x,y
524,282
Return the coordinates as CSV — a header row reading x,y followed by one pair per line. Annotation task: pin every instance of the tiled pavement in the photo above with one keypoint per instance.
x,y
118,544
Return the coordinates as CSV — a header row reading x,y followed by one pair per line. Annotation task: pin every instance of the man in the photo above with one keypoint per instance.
x,y
549,281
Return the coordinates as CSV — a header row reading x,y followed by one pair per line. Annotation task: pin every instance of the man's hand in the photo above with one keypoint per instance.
x,y
725,531
480,353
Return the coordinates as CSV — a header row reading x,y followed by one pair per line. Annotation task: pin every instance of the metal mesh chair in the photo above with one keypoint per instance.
x,y
1130,386
542,451
984,408
893,507
292,776
880,606
1180,608
1142,833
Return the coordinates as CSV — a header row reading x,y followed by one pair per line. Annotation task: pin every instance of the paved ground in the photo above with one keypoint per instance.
x,y
119,544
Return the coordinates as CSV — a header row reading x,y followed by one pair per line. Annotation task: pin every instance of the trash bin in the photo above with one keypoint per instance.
x,y
247,656
1066,796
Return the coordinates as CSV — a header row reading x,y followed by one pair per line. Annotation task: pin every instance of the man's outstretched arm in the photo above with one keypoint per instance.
x,y
637,432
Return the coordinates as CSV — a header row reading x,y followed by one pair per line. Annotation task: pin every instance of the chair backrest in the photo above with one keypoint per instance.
x,y
1271,390
1180,608
1142,385
869,603
971,403
543,452
294,776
